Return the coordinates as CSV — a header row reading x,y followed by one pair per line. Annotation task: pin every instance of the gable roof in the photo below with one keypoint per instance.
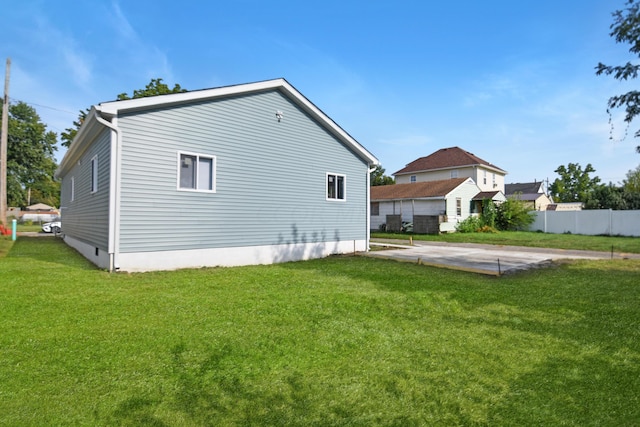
x,y
446,158
524,188
102,113
417,190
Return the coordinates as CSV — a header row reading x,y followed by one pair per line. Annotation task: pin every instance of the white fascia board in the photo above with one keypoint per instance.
x,y
113,108
85,135
319,115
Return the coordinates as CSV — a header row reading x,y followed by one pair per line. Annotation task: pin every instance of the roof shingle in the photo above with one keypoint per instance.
x,y
445,158
415,190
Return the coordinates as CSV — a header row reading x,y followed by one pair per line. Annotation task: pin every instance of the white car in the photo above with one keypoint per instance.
x,y
52,227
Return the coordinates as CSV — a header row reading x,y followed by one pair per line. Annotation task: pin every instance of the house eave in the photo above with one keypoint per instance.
x,y
86,134
401,199
114,108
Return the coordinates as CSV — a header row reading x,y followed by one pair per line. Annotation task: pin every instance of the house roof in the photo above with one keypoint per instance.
x,y
483,195
524,188
102,113
416,190
446,158
40,207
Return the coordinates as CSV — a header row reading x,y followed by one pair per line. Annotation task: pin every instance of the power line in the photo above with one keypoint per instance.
x,y
42,106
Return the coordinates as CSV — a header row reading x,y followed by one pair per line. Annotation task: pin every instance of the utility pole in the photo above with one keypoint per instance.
x,y
3,147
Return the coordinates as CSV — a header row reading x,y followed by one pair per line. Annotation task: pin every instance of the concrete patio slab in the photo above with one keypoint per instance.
x,y
484,259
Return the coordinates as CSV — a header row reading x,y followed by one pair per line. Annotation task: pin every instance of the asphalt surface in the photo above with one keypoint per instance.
x,y
483,259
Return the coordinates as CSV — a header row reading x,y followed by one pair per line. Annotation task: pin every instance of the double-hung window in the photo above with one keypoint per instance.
x,y
196,172
335,186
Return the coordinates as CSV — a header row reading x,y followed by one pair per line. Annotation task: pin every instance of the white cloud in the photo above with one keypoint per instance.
x,y
59,44
143,59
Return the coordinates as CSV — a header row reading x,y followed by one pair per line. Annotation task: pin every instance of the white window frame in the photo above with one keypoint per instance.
x,y
198,156
413,179
344,187
73,188
458,206
454,173
94,174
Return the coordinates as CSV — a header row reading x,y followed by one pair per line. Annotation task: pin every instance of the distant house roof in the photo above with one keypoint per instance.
x,y
446,158
416,190
40,207
524,188
485,195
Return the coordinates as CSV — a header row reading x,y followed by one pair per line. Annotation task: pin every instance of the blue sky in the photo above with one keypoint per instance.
x,y
510,81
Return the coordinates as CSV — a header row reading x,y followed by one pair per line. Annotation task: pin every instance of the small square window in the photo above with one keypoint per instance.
x,y
196,172
454,173
413,178
335,186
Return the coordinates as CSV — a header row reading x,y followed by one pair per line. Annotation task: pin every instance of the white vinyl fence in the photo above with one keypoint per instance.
x,y
591,222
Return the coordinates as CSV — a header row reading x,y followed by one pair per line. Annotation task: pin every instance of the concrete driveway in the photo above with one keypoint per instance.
x,y
484,259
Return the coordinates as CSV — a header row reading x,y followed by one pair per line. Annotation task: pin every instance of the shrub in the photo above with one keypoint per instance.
x,y
489,213
469,225
513,215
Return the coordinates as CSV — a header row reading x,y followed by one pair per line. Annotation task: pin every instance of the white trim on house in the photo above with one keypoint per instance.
x,y
113,108
235,256
337,193
198,156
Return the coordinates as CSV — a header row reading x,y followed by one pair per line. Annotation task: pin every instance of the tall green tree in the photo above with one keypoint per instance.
x,y
574,184
379,178
607,197
632,181
154,88
625,29
31,160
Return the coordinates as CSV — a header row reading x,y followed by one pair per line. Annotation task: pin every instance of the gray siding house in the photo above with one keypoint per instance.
x,y
237,175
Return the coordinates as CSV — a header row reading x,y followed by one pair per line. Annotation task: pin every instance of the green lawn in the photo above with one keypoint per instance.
x,y
528,238
342,341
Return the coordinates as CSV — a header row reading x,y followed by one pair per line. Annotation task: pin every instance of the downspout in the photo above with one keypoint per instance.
x,y
368,208
114,194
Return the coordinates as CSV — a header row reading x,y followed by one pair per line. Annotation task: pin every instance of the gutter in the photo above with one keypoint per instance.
x,y
114,191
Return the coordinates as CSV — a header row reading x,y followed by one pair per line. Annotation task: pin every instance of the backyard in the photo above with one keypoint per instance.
x,y
342,341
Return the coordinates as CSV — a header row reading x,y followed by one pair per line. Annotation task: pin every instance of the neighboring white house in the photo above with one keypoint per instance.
x,y
246,174
447,201
453,162
531,193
